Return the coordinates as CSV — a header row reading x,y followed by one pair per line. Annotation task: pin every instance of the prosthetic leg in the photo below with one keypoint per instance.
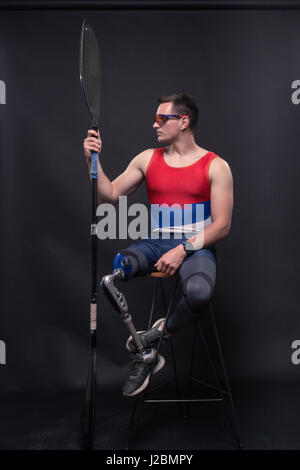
x,y
125,267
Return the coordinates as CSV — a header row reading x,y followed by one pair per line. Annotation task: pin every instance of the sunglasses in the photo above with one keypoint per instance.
x,y
162,118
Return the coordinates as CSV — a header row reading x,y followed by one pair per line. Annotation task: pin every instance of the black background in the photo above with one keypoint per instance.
x,y
239,66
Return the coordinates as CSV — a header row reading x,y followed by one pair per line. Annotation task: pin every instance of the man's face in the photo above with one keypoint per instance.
x,y
168,131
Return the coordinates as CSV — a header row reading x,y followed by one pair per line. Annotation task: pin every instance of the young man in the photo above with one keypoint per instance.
x,y
200,183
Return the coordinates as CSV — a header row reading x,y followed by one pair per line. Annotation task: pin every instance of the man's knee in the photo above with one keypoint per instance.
x,y
132,261
198,291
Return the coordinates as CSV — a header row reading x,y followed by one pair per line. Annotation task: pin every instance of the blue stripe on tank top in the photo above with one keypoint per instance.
x,y
178,216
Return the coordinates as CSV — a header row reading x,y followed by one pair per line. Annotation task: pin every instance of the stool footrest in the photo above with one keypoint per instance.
x,y
187,400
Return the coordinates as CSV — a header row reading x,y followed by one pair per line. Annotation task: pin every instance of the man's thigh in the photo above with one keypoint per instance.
x,y
142,256
152,249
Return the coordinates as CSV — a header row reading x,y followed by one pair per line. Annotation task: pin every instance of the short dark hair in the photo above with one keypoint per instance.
x,y
183,104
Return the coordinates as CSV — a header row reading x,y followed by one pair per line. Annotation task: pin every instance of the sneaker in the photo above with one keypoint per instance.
x,y
148,338
139,375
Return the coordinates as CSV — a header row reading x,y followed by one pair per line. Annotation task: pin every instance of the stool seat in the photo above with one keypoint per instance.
x,y
160,274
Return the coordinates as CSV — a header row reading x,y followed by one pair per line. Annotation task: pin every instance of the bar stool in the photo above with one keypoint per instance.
x,y
224,392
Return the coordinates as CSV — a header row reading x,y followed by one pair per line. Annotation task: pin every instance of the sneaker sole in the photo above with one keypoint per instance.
x,y
143,331
157,368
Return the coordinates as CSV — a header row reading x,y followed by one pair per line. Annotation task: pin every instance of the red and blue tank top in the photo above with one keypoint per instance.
x,y
179,196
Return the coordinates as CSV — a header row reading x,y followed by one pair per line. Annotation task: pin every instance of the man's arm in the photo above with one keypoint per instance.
x,y
124,184
221,205
128,181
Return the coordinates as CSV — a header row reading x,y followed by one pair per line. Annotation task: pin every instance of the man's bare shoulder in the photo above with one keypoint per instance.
x,y
219,168
142,160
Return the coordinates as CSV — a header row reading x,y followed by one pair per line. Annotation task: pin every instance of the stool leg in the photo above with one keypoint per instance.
x,y
234,417
160,339
187,405
153,304
132,422
211,362
167,311
181,405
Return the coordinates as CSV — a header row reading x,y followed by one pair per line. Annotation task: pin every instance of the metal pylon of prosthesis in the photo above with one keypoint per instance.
x,y
118,301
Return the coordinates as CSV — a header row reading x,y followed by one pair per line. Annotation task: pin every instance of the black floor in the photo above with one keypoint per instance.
x,y
268,417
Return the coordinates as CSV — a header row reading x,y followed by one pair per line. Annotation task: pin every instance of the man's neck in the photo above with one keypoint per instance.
x,y
184,145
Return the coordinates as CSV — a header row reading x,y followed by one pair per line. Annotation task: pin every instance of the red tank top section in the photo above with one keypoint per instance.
x,y
182,185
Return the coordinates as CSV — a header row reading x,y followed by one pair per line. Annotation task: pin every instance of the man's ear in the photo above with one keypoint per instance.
x,y
185,122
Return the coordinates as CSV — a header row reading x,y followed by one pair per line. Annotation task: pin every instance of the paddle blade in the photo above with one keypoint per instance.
x,y
89,69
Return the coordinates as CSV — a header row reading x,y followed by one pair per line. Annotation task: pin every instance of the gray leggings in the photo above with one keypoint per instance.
x,y
197,274
198,277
